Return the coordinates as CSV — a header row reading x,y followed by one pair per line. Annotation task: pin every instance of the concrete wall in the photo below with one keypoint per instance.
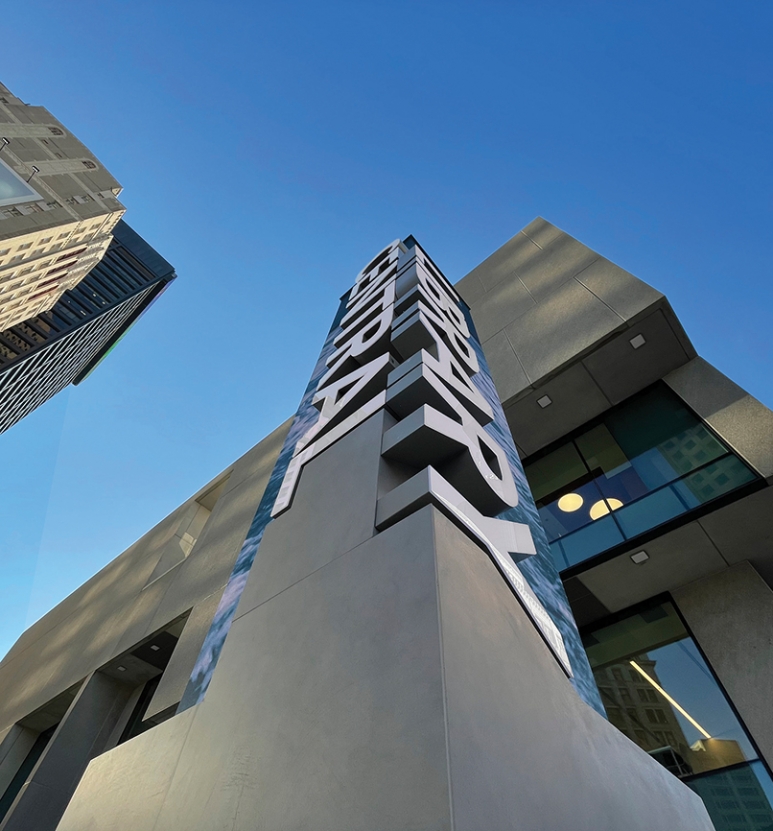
x,y
556,319
178,672
120,606
379,680
731,616
110,800
82,734
386,681
524,751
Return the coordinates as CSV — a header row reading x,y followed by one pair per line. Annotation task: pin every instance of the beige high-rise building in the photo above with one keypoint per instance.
x,y
58,208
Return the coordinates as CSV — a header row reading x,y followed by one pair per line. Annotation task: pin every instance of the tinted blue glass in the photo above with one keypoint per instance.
x,y
659,691
623,483
566,515
691,449
645,663
677,456
559,558
650,511
591,540
654,469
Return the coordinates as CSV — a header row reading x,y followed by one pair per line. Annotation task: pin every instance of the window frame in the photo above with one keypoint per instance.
x,y
690,515
657,600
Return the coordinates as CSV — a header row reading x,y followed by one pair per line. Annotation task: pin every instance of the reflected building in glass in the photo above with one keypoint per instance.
x,y
659,691
646,461
650,472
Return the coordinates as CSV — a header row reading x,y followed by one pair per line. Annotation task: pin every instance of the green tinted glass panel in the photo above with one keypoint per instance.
x,y
649,420
647,462
556,471
600,450
714,480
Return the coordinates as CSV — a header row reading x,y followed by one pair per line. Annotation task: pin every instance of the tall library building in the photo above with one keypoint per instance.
x,y
508,567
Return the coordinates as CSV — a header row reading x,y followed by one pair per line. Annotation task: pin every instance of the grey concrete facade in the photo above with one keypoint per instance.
x,y
742,421
142,591
82,734
385,681
556,319
718,566
396,708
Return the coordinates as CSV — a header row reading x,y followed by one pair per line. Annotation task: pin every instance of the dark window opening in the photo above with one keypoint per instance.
x,y
143,667
136,723
31,759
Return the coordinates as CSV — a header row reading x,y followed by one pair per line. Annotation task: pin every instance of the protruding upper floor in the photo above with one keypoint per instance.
x,y
631,442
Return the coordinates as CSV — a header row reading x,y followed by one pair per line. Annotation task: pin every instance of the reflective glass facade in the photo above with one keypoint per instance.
x,y
647,461
42,355
129,266
659,691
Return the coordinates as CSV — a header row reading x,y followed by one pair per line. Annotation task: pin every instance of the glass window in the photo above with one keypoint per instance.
x,y
648,461
680,715
13,189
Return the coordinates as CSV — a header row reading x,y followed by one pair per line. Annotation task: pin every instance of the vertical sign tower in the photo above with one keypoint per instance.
x,y
405,346
389,652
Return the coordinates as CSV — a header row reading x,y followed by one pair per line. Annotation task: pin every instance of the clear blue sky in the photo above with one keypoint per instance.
x,y
269,149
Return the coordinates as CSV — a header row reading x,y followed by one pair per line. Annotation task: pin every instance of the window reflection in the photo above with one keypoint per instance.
x,y
658,690
650,460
